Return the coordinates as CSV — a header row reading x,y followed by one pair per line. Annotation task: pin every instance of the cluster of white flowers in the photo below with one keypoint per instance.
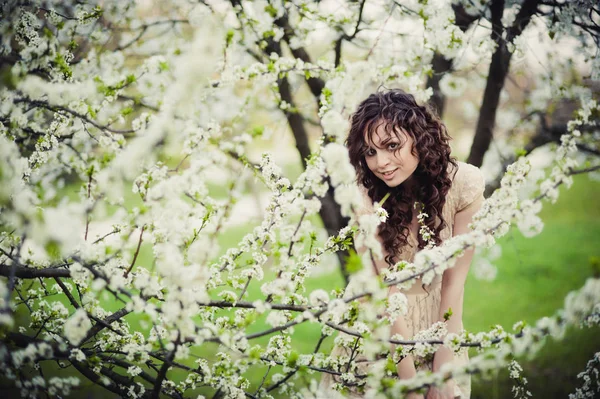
x,y
342,177
424,230
591,379
77,326
338,164
453,86
313,179
397,306
335,125
318,298
519,388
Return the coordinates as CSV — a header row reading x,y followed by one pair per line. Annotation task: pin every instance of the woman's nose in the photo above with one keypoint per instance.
x,y
383,159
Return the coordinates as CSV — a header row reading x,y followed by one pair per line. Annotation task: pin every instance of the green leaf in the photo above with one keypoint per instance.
x,y
390,366
292,359
448,314
91,111
126,111
268,33
229,37
47,32
255,352
63,66
163,66
388,382
257,131
520,152
271,10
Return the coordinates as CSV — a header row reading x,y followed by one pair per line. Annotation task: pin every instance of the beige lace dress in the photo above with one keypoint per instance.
x,y
424,302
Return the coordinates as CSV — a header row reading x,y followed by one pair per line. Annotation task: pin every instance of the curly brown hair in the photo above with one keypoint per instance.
x,y
398,111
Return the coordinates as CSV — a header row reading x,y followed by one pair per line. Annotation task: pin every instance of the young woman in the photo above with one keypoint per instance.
x,y
400,147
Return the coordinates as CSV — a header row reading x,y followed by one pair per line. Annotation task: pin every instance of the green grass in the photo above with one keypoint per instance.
x,y
534,275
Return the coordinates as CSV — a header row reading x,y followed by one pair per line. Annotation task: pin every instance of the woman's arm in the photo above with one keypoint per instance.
x,y
453,284
406,367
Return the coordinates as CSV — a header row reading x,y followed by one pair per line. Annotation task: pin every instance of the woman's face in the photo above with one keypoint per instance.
x,y
389,157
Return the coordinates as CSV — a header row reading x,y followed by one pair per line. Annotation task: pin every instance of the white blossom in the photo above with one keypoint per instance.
x,y
77,326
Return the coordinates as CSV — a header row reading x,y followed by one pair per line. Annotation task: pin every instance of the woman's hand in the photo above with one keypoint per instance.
x,y
444,392
414,395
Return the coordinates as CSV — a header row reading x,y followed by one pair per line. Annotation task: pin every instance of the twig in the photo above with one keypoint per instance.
x,y
245,288
262,382
87,219
60,108
137,251
106,323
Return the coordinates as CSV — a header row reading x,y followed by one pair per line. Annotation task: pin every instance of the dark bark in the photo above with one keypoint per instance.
x,y
295,121
316,85
441,65
162,374
551,128
498,71
338,43
119,314
338,52
330,210
28,273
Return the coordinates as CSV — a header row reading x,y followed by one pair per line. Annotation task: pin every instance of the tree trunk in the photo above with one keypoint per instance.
x,y
499,67
330,211
440,64
295,121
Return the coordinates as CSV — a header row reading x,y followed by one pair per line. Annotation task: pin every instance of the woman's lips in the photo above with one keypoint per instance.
x,y
390,175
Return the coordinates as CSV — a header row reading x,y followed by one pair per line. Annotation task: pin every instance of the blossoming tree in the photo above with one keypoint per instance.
x,y
157,98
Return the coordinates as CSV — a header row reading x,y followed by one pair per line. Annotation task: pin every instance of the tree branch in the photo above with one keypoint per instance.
x,y
137,251
106,324
29,273
61,109
163,370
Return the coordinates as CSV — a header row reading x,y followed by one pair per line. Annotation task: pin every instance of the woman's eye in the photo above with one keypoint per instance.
x,y
370,152
393,146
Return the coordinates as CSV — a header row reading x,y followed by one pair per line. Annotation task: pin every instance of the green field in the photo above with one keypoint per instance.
x,y
534,275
